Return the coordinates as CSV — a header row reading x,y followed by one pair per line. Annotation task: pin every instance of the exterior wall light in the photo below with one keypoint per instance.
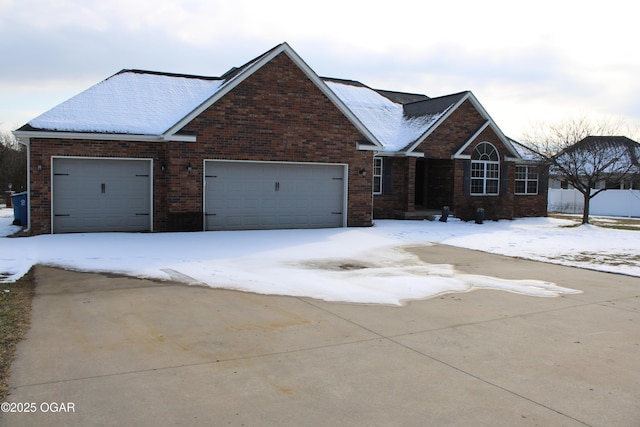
x,y
363,172
39,167
189,168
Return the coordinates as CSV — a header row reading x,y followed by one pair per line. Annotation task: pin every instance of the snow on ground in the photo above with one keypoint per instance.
x,y
361,265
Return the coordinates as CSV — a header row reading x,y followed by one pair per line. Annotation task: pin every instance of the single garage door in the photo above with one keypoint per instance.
x,y
270,195
93,195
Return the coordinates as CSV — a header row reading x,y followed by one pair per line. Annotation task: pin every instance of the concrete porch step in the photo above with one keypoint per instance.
x,y
422,214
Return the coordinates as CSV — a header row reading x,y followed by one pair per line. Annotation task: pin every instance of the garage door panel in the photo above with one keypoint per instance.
x,y
246,195
93,195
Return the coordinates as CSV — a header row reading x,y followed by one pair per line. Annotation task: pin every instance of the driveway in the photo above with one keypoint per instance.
x,y
116,351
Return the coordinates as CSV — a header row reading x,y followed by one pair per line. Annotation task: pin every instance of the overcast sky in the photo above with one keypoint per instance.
x,y
526,62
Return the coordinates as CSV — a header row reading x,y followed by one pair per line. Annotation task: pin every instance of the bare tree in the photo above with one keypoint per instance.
x,y
585,153
13,164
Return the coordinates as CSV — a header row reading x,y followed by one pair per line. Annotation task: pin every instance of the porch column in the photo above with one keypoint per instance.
x,y
411,184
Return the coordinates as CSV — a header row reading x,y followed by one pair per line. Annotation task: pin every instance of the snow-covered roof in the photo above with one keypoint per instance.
x,y
600,155
130,102
389,121
525,152
151,104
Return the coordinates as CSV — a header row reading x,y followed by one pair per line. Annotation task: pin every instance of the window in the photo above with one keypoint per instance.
x,y
485,170
526,180
377,175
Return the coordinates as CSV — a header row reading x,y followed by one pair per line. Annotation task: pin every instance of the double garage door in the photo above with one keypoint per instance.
x,y
270,195
91,195
104,195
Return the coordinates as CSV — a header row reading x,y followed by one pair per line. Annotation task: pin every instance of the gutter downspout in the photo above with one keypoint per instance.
x,y
26,143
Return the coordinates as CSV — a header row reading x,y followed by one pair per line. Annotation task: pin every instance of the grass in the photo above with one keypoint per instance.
x,y
608,259
632,224
15,317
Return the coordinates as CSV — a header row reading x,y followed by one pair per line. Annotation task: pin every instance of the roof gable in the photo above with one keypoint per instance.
x,y
239,75
489,123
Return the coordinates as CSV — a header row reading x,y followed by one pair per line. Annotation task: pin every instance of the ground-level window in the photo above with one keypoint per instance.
x,y
485,170
377,175
526,179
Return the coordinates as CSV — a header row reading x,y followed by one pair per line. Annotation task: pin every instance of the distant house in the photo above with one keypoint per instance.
x,y
596,152
598,163
267,145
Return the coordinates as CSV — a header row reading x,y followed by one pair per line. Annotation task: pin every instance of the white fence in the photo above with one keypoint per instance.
x,y
607,203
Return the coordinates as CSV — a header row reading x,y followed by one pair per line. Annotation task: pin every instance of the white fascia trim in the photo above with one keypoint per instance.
x,y
179,138
81,135
366,147
470,140
442,118
398,154
252,68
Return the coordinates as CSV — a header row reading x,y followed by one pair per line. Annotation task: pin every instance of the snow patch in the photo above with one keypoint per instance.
x,y
360,265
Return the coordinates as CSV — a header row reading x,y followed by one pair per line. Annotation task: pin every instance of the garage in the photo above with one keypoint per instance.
x,y
274,195
101,195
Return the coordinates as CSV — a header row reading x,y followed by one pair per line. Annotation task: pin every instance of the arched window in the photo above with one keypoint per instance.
x,y
485,170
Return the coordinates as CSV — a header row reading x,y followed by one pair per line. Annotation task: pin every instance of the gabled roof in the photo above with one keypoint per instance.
x,y
147,105
402,126
604,143
135,104
598,155
611,146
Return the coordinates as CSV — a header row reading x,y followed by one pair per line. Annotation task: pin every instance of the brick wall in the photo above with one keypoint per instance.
x,y
453,133
395,194
277,114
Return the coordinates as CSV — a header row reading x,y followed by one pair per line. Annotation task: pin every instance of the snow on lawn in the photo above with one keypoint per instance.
x,y
362,265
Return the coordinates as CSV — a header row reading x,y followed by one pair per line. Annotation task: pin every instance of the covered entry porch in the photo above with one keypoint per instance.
x,y
414,188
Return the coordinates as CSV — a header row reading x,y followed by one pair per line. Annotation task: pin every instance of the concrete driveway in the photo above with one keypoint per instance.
x,y
115,351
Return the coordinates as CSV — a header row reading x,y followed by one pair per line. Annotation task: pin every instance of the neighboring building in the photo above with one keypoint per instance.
x,y
595,153
267,145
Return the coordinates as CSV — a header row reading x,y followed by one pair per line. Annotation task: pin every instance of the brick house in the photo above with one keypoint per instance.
x,y
267,145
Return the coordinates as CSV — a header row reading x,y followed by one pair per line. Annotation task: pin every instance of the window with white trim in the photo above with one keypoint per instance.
x,y
526,179
485,170
377,175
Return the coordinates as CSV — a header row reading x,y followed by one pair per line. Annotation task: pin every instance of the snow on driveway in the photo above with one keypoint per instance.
x,y
361,265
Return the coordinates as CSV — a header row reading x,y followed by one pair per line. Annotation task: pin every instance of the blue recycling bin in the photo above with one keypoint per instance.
x,y
19,201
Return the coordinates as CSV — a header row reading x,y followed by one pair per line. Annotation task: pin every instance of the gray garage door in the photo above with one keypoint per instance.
x,y
92,195
253,195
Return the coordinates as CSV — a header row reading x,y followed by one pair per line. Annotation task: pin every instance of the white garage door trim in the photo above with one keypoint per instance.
x,y
106,159
344,169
